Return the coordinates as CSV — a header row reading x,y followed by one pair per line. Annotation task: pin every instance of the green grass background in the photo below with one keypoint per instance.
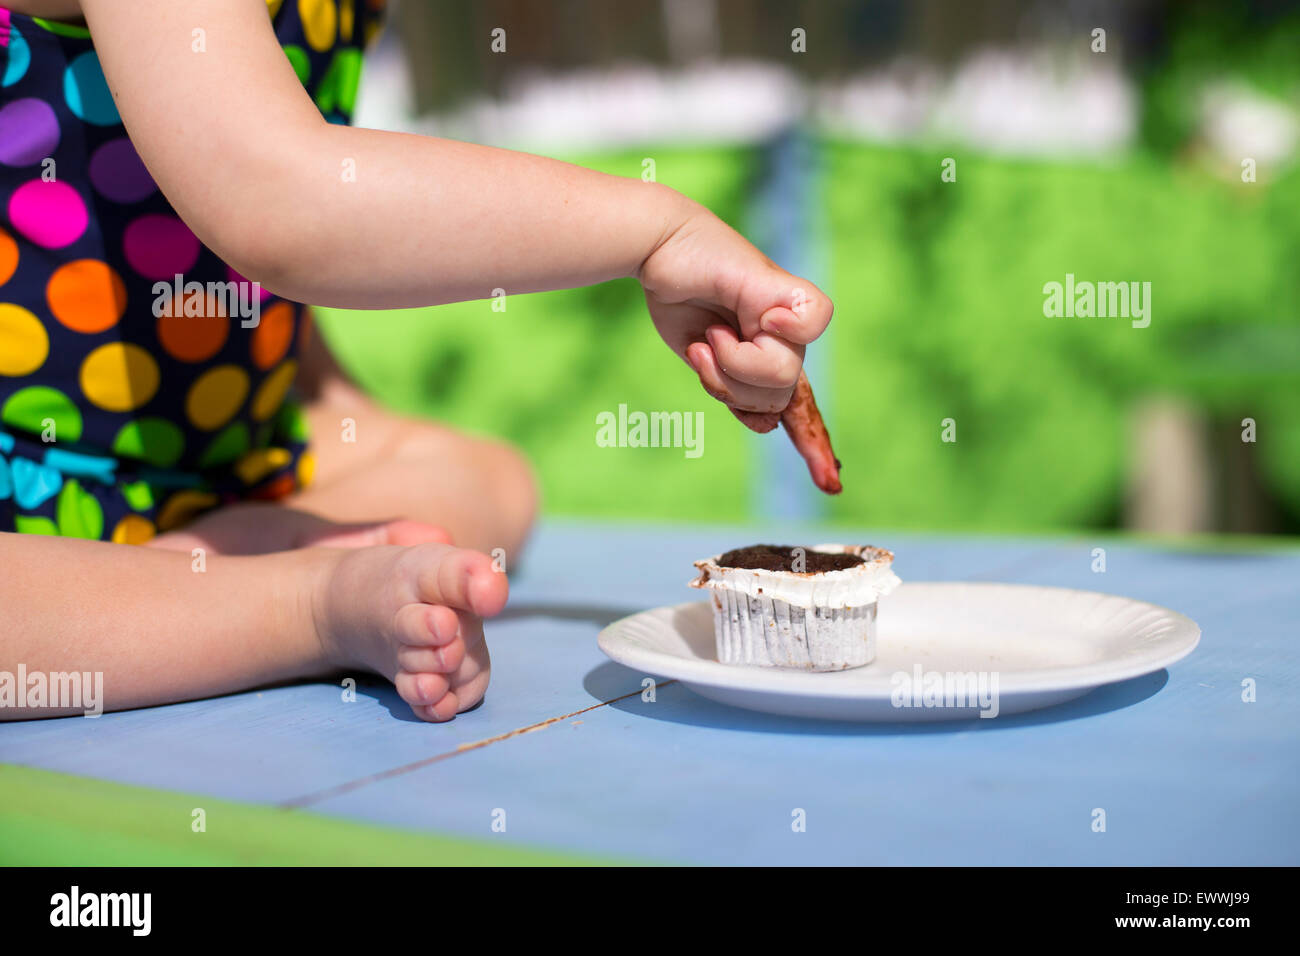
x,y
938,292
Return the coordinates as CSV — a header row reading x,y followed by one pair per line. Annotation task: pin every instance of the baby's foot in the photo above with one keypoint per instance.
x,y
413,615
259,528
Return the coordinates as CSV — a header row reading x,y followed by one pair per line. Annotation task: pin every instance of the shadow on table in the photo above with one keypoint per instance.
x,y
679,705
385,694
568,612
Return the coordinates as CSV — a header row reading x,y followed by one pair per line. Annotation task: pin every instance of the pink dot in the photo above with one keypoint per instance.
x,y
160,247
236,277
49,214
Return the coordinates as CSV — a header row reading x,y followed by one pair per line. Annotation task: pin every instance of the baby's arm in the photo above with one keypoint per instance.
x,y
240,150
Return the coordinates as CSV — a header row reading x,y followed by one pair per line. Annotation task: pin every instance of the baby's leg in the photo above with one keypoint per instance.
x,y
258,527
160,629
373,464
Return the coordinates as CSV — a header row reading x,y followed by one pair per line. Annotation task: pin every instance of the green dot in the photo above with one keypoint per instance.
x,y
62,29
292,423
78,513
348,78
301,65
138,494
154,440
31,408
34,524
229,444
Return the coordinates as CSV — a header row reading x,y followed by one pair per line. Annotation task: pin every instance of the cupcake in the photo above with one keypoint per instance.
x,y
810,608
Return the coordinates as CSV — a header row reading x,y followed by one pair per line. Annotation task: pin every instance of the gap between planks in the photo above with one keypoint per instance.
x,y
348,786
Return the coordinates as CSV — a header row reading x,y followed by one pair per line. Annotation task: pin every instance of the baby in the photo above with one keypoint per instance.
x,y
154,153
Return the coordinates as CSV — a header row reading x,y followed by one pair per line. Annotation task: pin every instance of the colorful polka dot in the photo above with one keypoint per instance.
x,y
30,408
347,18
194,330
20,58
292,423
34,484
8,257
119,377
155,440
256,465
24,343
133,529
231,442
78,513
273,7
138,494
338,90
300,62
273,335
29,132
86,91
86,295
275,489
62,29
183,506
270,394
306,469
119,174
160,247
35,524
319,23
51,214
216,396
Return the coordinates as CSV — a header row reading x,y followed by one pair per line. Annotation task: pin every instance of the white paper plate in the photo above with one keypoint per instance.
x,y
1026,647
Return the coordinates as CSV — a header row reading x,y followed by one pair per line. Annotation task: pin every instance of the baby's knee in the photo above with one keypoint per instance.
x,y
515,489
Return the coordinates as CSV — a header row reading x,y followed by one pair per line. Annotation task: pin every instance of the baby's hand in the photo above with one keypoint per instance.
x,y
741,322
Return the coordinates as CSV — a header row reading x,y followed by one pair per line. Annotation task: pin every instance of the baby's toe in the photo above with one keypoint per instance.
x,y
461,579
421,689
469,683
445,709
425,625
434,660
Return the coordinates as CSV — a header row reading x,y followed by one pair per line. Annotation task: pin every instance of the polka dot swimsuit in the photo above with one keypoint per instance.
x,y
125,411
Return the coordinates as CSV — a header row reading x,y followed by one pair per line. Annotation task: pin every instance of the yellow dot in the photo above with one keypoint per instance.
x,y
270,394
182,506
216,396
306,469
24,343
256,465
320,20
273,7
133,529
347,14
119,376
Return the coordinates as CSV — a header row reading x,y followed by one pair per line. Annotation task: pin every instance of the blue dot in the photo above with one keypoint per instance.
x,y
20,57
86,91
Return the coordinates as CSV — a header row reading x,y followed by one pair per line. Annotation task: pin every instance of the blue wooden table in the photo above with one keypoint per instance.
x,y
566,753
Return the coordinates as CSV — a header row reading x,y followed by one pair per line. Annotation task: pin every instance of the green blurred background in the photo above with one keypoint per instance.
x,y
1061,423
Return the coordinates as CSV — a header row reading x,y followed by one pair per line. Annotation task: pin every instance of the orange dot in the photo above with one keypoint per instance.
x,y
195,329
275,489
8,257
87,295
273,334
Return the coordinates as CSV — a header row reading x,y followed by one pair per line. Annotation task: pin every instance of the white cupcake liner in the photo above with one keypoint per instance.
x,y
819,621
769,632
